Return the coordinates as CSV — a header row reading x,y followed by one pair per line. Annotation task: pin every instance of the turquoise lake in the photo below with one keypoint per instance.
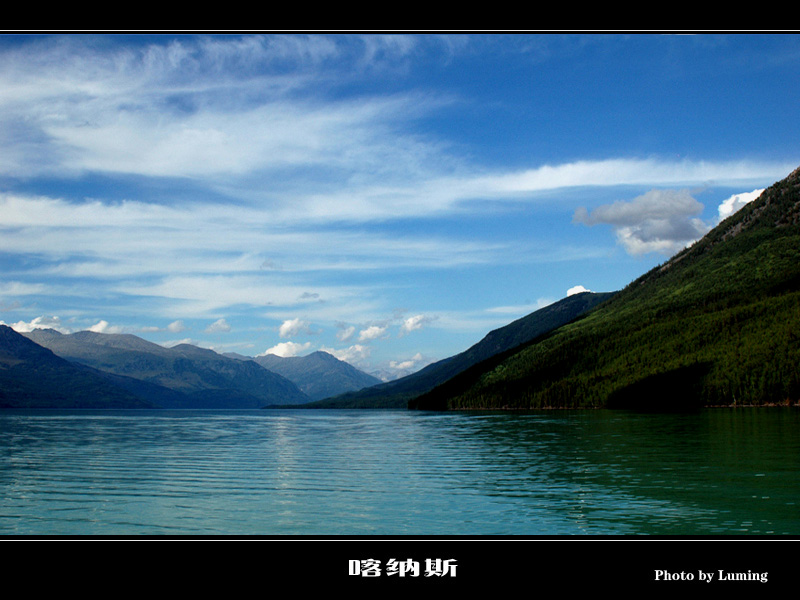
x,y
716,472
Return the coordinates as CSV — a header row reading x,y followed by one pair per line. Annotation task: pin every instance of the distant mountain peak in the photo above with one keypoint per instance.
x,y
319,374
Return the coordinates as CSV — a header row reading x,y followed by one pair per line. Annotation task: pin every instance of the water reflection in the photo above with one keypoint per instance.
x,y
399,473
712,472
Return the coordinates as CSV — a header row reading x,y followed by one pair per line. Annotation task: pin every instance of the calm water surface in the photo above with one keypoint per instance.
x,y
322,472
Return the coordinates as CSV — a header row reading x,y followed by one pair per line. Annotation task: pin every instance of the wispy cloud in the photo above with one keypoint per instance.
x,y
291,180
195,107
345,333
633,171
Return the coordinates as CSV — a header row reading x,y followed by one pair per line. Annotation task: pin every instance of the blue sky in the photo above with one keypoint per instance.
x,y
387,198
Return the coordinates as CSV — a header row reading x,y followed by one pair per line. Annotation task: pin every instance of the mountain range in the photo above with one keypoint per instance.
x,y
33,377
717,324
183,376
132,372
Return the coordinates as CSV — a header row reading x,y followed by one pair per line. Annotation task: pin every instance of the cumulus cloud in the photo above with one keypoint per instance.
x,y
104,327
405,365
400,368
413,323
42,322
662,221
292,327
356,354
373,332
735,202
176,327
57,324
218,326
286,349
578,289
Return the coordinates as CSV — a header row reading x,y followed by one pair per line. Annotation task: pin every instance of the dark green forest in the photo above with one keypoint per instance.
x,y
716,325
397,393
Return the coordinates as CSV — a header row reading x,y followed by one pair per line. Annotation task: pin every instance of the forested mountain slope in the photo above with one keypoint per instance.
x,y
718,324
397,393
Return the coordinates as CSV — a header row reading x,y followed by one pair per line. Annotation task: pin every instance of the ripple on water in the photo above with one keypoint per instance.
x,y
397,473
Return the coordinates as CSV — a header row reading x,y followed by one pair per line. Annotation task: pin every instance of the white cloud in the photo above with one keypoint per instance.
x,y
42,322
172,343
345,333
287,349
114,110
395,369
655,205
17,288
578,289
218,326
245,121
57,324
201,293
735,202
413,323
614,172
406,365
149,329
292,327
373,332
356,354
662,221
176,327
104,327
213,267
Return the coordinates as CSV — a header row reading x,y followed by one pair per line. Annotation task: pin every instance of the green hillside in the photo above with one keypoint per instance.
x,y
718,324
397,393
